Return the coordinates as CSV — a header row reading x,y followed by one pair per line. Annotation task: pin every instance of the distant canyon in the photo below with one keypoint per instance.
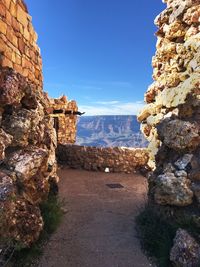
x,y
110,131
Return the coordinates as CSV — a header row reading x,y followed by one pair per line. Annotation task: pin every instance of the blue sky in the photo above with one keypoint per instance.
x,y
97,52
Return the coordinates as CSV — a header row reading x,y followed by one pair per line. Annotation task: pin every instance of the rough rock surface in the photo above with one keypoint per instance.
x,y
27,136
171,118
18,47
114,159
64,114
186,251
27,164
173,191
179,135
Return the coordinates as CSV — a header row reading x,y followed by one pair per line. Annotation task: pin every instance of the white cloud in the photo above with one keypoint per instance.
x,y
112,108
107,102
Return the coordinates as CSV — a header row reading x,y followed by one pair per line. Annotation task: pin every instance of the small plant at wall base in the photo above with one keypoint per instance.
x,y
156,235
52,214
157,229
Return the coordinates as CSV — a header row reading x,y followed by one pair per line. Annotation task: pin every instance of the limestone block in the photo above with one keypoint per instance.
x,y
11,37
7,3
174,30
13,9
2,11
171,190
21,45
15,24
22,16
8,52
3,27
8,18
150,109
6,62
177,95
26,162
26,34
179,135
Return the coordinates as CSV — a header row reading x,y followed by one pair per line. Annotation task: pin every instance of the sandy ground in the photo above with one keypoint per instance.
x,y
98,227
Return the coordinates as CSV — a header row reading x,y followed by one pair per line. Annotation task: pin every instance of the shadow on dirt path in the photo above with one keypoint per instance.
x,y
98,227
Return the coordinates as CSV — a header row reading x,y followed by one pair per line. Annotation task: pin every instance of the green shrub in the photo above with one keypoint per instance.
x,y
52,214
156,235
157,228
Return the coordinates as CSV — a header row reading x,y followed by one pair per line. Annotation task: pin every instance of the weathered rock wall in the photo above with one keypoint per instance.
x,y
65,119
18,46
171,123
171,120
27,137
117,159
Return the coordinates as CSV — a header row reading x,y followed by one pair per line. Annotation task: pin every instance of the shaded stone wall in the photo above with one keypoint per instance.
x,y
171,118
18,46
27,136
117,159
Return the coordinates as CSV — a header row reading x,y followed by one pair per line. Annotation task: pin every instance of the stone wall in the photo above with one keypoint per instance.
x,y
117,159
27,136
18,46
171,119
171,123
64,115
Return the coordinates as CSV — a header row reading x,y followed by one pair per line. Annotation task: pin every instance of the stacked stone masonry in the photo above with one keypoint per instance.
x,y
115,159
27,136
171,118
64,115
18,46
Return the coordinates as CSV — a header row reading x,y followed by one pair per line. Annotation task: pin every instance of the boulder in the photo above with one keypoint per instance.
x,y
10,87
179,135
23,126
22,221
186,251
26,162
172,190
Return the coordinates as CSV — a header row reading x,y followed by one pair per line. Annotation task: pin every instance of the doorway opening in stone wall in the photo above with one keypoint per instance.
x,y
56,124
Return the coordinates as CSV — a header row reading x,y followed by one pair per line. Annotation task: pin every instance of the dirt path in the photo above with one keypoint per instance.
x,y
98,228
